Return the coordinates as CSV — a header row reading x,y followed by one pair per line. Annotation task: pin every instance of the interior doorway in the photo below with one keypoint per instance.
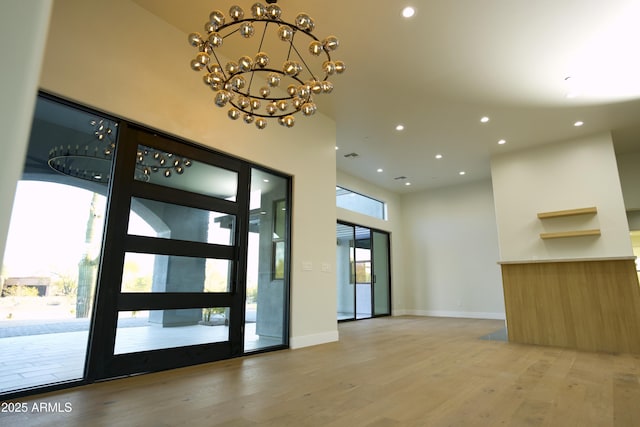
x,y
362,271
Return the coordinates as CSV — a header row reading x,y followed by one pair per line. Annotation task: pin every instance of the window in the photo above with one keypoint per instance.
x,y
356,202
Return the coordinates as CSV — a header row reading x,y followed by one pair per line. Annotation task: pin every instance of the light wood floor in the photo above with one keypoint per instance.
x,y
404,371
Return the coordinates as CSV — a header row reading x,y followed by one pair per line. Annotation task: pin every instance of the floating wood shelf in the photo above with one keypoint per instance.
x,y
577,233
569,212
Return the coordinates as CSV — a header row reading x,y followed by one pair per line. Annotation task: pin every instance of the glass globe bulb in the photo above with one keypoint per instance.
x,y
232,67
309,109
273,80
265,91
315,87
210,27
196,65
285,33
234,114
236,13
261,123
329,67
283,105
216,39
297,102
217,18
244,103
302,21
291,68
258,10
272,108
273,12
195,40
203,58
222,98
238,83
316,48
247,30
288,121
340,67
331,43
262,59
245,63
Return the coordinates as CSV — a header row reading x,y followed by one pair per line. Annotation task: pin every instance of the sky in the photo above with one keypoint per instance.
x,y
47,230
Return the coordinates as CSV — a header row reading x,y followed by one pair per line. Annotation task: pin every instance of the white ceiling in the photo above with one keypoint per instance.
x,y
455,61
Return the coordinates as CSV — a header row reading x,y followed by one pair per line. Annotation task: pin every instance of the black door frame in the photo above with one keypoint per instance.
x,y
373,269
102,362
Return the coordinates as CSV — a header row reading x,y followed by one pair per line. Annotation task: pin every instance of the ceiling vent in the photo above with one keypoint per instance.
x,y
400,178
351,155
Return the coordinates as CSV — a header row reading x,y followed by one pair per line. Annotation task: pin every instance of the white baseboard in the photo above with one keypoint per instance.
x,y
315,339
458,314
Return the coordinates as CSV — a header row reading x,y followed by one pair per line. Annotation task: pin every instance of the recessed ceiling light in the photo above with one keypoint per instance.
x,y
502,141
462,173
380,170
407,184
578,123
400,127
408,12
485,119
438,156
337,148
265,180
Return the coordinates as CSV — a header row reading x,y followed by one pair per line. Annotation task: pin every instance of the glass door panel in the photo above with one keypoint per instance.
x,y
154,165
49,271
147,330
345,272
381,274
363,272
266,322
179,270
171,221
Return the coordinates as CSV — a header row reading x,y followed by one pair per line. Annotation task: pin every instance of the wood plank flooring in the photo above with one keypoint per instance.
x,y
388,372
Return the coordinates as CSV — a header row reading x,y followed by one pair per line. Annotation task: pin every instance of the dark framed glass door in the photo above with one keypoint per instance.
x,y
363,273
194,243
132,252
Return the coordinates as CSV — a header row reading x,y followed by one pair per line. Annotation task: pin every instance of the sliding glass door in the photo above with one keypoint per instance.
x,y
362,271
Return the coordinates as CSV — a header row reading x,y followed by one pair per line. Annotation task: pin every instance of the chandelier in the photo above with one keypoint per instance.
x,y
92,160
288,64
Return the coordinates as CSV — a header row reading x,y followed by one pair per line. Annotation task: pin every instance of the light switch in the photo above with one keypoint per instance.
x,y
307,266
326,267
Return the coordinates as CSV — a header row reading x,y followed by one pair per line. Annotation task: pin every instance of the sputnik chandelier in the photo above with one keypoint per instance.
x,y
92,161
288,66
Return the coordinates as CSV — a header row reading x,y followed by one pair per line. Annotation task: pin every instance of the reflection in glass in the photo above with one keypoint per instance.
x,y
53,248
381,287
178,222
198,177
267,260
356,202
169,273
159,329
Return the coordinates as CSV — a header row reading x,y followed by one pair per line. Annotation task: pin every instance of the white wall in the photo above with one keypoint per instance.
x,y
451,253
564,175
123,60
23,29
392,225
